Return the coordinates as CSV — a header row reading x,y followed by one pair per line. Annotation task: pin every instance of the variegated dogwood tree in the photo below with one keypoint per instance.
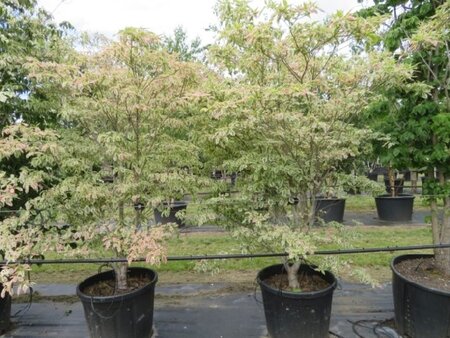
x,y
22,231
124,144
287,116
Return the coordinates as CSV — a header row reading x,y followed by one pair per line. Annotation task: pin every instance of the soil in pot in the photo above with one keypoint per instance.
x,y
425,272
307,282
108,287
121,315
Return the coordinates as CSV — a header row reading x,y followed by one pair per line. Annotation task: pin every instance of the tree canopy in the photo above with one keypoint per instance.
x,y
286,111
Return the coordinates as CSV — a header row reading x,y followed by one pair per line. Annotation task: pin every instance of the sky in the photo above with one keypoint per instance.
x,y
159,16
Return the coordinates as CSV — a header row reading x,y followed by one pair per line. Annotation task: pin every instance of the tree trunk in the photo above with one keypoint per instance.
x,y
435,224
442,235
137,219
391,181
120,269
292,274
312,211
295,214
414,181
120,272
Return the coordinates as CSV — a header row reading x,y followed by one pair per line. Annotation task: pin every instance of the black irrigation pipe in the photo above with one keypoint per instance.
x,y
230,256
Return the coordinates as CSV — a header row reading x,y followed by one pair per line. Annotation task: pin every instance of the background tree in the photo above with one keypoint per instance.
x,y
187,50
418,123
28,32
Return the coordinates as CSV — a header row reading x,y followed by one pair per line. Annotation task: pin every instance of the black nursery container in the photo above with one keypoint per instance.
x,y
128,315
330,209
296,314
172,216
5,312
372,176
420,311
397,209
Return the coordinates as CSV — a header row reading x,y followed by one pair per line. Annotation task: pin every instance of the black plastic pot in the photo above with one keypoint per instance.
x,y
171,217
128,315
396,209
217,175
5,312
420,311
372,176
406,175
330,209
296,314
398,186
353,191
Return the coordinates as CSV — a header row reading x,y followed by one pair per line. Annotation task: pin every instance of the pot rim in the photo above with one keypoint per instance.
x,y
121,297
397,259
290,294
398,196
322,198
174,204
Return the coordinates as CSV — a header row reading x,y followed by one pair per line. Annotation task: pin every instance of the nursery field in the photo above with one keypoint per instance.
x,y
244,270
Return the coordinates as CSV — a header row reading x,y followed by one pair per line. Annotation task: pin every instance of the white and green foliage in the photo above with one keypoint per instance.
x,y
134,100
22,233
129,104
286,112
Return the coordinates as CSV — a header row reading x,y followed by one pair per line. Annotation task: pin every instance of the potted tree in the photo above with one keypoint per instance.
x,y
128,106
420,282
330,206
395,205
285,114
330,203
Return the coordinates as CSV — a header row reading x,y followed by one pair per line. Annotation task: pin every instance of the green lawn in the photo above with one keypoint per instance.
x,y
222,243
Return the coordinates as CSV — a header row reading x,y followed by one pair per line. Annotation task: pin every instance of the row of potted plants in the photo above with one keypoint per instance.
x,y
281,105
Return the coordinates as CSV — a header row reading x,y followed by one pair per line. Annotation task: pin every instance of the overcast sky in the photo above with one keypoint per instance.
x,y
159,16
